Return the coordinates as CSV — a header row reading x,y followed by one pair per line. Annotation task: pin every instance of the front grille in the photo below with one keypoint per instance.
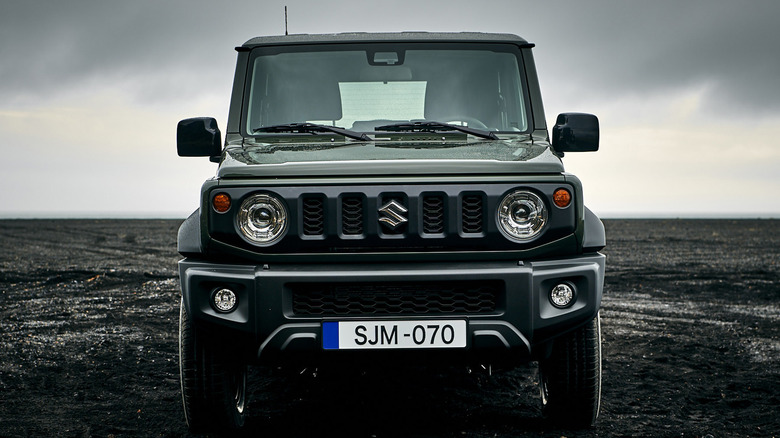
x,y
352,215
472,214
433,214
345,299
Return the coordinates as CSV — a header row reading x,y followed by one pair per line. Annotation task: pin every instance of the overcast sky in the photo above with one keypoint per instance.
x,y
687,94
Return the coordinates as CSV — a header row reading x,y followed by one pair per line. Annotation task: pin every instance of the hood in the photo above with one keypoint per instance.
x,y
376,158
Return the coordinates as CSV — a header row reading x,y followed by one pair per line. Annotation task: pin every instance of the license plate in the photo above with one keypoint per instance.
x,y
366,335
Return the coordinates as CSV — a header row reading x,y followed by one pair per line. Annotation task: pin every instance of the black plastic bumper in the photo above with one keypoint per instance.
x,y
267,328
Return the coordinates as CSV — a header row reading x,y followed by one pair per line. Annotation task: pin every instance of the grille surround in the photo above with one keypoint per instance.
x,y
310,235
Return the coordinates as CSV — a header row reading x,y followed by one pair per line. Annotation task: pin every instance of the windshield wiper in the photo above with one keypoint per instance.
x,y
312,128
431,126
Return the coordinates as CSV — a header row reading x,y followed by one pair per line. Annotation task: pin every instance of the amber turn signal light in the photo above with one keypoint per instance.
x,y
562,198
221,202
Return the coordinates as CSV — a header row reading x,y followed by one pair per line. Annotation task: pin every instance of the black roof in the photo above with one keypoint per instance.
x,y
362,37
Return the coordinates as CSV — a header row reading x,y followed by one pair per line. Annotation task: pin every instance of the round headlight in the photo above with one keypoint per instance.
x,y
262,219
522,215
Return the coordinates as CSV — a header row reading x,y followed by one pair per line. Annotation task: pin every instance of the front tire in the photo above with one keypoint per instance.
x,y
570,379
213,386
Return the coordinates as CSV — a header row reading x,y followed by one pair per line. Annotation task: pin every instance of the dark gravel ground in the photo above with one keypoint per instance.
x,y
691,327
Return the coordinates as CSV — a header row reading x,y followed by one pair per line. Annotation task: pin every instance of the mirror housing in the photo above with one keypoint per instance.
x,y
198,137
576,132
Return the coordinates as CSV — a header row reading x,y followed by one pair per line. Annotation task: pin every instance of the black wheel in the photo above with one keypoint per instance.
x,y
213,386
570,379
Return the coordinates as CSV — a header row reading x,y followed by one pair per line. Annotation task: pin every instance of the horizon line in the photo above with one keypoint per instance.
x,y
172,216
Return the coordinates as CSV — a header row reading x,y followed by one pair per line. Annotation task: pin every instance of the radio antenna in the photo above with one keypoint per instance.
x,y
285,19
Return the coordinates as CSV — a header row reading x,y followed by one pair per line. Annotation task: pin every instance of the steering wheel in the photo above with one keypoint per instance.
x,y
471,121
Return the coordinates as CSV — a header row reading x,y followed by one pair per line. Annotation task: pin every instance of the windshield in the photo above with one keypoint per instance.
x,y
361,87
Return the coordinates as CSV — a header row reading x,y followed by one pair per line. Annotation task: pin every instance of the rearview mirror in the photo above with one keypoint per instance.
x,y
576,132
198,137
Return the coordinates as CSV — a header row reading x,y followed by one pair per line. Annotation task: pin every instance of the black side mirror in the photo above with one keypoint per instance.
x,y
576,132
198,137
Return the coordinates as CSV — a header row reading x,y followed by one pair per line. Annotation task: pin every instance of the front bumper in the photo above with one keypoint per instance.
x,y
268,328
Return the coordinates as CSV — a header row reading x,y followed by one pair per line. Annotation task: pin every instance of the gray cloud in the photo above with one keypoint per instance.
x,y
645,48
50,47
606,49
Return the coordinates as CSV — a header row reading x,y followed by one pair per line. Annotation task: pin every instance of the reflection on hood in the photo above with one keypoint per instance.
x,y
279,153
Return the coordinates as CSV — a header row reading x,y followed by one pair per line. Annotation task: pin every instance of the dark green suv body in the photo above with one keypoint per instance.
x,y
381,197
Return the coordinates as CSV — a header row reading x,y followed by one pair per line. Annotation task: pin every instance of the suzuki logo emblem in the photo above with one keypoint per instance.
x,y
393,214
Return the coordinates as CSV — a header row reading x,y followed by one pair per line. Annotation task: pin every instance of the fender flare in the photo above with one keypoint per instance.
x,y
595,237
188,240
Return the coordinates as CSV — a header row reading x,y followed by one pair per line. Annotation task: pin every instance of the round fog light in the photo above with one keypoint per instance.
x,y
225,300
562,295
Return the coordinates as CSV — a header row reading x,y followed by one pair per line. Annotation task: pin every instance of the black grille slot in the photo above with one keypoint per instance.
x,y
352,215
433,214
472,214
313,216
342,299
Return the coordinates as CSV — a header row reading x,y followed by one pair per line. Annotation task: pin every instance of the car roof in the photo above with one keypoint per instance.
x,y
362,37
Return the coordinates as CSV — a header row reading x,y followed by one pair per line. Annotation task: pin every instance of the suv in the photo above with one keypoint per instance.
x,y
382,197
